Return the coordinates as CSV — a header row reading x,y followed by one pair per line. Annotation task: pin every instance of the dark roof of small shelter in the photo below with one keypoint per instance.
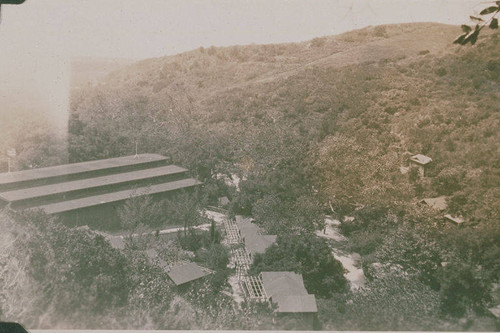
x,y
187,272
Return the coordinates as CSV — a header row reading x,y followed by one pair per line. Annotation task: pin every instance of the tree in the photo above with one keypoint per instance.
x,y
391,302
183,210
77,273
141,210
488,19
350,173
462,289
306,255
277,216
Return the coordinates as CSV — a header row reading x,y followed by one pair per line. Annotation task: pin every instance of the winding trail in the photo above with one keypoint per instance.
x,y
349,261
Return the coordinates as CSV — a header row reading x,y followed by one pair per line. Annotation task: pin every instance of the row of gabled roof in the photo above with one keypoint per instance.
x,y
71,187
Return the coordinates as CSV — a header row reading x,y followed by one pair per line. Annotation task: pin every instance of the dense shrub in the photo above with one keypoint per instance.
x,y
309,256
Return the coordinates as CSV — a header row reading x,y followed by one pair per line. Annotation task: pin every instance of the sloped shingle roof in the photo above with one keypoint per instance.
x,y
287,290
296,303
421,159
254,241
188,272
456,220
283,283
438,203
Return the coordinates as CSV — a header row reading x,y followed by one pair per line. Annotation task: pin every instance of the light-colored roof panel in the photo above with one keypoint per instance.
x,y
421,159
117,242
74,168
101,199
186,273
457,220
495,311
248,228
438,203
243,219
296,303
256,243
223,201
114,179
283,284
251,233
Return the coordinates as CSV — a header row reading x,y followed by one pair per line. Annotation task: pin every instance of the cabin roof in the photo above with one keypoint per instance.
x,y
283,283
256,243
251,233
455,219
187,272
495,311
223,201
296,303
287,290
421,159
438,203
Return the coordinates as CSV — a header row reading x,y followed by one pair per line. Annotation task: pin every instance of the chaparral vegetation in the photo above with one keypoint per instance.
x,y
289,134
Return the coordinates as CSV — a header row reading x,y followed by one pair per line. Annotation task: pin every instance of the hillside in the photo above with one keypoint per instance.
x,y
320,127
390,88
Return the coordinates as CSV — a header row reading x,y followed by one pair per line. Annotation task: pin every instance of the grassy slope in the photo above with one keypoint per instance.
x,y
377,86
393,88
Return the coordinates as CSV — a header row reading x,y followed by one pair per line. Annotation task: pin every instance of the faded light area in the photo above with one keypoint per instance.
x,y
34,67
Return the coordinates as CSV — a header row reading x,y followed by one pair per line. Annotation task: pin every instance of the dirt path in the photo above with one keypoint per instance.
x,y
349,261
354,275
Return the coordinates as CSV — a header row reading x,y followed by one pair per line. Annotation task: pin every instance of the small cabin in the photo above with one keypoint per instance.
x,y
287,292
420,161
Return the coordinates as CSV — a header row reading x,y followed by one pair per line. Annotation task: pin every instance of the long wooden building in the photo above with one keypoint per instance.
x,y
90,192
